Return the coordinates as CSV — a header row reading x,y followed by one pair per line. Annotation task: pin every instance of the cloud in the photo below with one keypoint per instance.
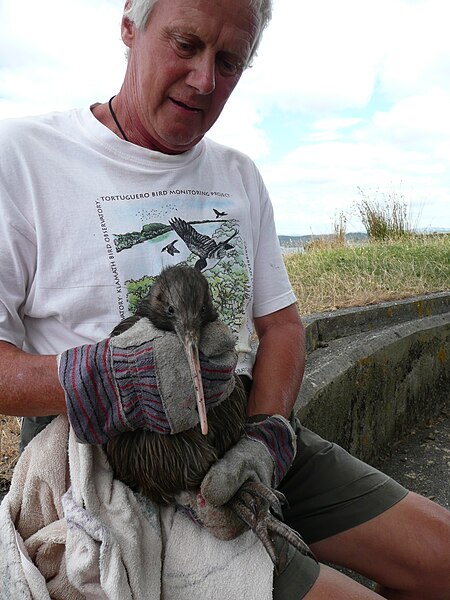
x,y
417,53
239,126
319,56
367,87
403,147
61,55
420,120
342,94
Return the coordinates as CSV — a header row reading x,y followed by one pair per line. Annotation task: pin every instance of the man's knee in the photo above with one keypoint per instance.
x,y
430,572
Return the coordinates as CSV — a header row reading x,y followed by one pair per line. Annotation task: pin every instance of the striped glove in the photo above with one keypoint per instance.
x,y
264,453
141,379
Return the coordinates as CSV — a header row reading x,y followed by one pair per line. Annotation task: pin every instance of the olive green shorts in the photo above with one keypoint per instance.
x,y
30,427
328,491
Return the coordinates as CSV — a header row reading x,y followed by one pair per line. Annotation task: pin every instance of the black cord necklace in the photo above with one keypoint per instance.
x,y
113,114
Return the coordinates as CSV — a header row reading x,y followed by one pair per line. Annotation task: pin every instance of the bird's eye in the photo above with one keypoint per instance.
x,y
170,310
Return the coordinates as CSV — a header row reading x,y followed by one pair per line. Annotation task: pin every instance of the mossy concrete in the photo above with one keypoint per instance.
x,y
374,373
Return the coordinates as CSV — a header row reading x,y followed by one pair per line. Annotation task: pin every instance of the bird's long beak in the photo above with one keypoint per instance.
x,y
194,365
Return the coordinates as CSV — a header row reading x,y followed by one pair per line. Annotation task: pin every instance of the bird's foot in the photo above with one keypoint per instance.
x,y
255,504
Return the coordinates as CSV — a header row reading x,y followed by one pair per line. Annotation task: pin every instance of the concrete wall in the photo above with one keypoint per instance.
x,y
374,373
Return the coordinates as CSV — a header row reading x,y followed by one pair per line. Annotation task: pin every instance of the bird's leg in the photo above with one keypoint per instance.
x,y
253,520
253,503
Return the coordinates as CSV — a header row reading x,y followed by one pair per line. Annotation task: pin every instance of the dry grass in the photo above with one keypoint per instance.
x,y
384,217
9,448
336,240
326,279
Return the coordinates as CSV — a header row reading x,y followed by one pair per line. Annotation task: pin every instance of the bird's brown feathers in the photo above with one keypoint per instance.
x,y
160,466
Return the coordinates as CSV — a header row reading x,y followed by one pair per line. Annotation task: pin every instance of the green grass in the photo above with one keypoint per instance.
x,y
327,278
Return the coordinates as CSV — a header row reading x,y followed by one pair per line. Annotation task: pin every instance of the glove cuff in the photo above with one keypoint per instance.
x,y
93,406
277,436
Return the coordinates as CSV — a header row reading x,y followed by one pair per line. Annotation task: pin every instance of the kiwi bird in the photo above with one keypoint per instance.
x,y
162,465
179,301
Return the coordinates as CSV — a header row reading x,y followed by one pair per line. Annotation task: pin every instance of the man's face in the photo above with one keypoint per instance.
x,y
184,66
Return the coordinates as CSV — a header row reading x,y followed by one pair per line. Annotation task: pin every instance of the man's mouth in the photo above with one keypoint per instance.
x,y
185,106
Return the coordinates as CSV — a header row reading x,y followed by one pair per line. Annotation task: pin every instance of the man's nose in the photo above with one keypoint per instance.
x,y
202,75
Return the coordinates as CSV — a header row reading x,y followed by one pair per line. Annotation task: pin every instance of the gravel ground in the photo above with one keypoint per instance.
x,y
421,463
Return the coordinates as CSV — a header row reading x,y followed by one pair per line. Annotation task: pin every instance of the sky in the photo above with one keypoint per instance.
x,y
346,100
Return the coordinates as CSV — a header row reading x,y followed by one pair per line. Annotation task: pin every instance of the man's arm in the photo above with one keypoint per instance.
x,y
280,363
29,384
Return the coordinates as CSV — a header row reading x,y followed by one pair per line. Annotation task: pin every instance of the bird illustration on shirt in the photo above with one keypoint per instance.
x,y
170,248
203,246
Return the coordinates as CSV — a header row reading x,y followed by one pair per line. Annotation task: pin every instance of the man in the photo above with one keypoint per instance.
x,y
95,202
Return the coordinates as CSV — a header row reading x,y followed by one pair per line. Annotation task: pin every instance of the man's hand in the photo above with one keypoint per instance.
x,y
141,379
264,453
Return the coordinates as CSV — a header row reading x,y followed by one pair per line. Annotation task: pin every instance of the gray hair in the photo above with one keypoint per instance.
x,y
138,12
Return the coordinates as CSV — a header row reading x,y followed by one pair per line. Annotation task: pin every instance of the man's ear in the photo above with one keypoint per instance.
x,y
127,28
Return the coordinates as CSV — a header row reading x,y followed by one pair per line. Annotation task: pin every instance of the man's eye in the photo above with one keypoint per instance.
x,y
184,46
229,67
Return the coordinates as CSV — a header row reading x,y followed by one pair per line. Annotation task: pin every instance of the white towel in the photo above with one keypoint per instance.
x,y
32,523
105,542
197,565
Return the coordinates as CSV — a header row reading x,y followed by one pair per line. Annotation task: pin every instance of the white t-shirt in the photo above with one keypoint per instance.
x,y
88,220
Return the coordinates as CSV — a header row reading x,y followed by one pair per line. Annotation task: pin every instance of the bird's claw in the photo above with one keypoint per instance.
x,y
255,504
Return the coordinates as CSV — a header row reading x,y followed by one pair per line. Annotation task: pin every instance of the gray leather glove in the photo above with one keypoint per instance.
x,y
141,379
264,453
